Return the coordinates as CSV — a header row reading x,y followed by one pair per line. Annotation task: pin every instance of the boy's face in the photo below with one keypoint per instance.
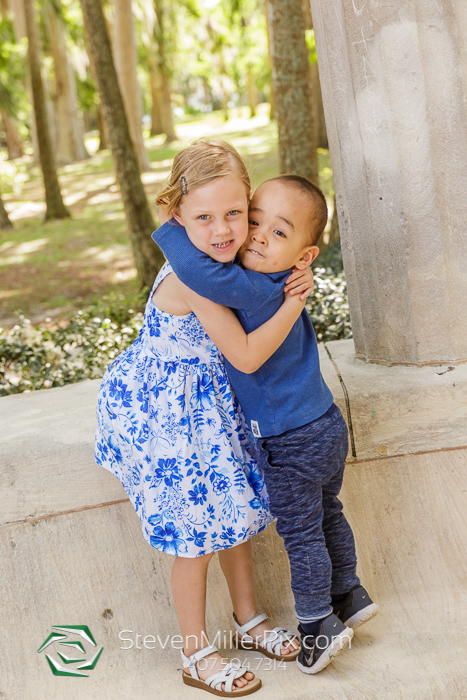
x,y
278,230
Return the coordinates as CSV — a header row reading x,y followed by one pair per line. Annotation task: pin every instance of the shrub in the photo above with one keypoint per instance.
x,y
81,347
328,308
45,356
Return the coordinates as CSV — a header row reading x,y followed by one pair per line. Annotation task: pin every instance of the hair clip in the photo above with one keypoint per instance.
x,y
183,185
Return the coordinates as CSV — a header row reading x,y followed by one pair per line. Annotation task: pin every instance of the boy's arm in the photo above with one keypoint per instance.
x,y
224,284
246,352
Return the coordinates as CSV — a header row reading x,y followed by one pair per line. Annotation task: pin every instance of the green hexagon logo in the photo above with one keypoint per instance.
x,y
71,646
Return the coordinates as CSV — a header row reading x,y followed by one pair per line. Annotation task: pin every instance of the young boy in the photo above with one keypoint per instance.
x,y
301,433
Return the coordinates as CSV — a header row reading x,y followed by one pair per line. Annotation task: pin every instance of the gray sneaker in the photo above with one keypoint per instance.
x,y
356,609
316,652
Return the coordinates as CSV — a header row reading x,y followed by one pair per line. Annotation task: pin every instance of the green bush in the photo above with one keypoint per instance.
x,y
328,308
44,356
82,347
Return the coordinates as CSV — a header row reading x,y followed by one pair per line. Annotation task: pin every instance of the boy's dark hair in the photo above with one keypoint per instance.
x,y
318,217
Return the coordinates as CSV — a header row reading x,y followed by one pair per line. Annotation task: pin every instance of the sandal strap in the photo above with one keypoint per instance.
x,y
244,629
275,639
191,661
228,675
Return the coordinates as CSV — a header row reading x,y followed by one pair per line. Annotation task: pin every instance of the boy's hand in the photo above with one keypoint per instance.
x,y
300,282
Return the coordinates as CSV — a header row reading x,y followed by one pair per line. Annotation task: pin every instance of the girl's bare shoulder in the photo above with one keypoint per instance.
x,y
170,296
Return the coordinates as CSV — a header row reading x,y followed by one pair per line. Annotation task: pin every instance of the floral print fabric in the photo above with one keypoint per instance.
x,y
170,429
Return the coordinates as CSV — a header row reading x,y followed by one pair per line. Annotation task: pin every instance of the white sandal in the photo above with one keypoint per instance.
x,y
213,684
271,644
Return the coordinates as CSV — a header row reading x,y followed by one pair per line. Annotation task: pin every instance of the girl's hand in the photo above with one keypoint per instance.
x,y
300,282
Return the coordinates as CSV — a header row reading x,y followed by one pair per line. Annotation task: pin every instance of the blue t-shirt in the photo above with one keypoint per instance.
x,y
288,391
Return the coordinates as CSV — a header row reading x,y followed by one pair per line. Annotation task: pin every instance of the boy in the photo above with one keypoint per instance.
x,y
300,431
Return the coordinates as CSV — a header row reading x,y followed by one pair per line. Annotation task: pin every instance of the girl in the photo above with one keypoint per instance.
x,y
169,427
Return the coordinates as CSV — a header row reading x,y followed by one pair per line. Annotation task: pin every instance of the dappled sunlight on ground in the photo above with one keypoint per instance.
x,y
104,197
7,293
24,210
50,268
13,254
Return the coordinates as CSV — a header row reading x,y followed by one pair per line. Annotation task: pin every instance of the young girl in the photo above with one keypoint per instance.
x,y
169,427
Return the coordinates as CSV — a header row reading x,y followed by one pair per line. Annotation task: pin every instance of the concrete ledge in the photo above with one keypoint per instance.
x,y
398,410
47,437
47,453
93,567
73,552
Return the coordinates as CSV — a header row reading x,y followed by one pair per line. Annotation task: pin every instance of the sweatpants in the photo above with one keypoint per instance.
x,y
303,471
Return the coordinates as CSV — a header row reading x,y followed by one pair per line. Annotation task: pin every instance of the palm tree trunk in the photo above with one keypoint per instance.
x,y
19,25
157,126
166,100
148,257
319,108
70,143
252,94
292,89
13,141
167,118
101,125
125,62
53,197
334,233
272,109
4,218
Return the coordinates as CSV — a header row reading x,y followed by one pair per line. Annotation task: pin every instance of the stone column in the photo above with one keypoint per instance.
x,y
394,82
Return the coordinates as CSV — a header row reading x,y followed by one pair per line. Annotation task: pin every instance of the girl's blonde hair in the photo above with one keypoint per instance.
x,y
197,165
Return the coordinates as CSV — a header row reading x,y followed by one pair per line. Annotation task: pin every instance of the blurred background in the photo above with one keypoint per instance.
x,y
96,98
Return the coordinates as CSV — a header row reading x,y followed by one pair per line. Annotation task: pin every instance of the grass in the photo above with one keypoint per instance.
x,y
50,269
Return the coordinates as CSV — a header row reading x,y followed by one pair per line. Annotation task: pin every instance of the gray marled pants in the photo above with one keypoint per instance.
x,y
303,470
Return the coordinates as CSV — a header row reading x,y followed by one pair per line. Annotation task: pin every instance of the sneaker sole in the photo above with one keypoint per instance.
x,y
362,616
337,645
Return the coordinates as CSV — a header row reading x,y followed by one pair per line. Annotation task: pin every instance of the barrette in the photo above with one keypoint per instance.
x,y
183,185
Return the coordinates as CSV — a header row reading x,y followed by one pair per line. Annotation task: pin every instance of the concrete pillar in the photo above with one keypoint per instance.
x,y
394,82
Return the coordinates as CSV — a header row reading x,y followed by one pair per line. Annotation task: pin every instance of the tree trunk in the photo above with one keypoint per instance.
x,y
53,197
101,125
334,233
13,141
125,62
19,24
4,218
166,100
318,108
292,89
252,94
272,109
148,257
331,234
208,98
317,97
70,143
19,20
167,118
157,126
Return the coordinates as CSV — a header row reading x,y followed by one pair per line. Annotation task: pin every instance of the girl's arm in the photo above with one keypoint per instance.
x,y
246,352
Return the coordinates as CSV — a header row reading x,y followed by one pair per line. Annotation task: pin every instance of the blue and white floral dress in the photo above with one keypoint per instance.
x,y
170,429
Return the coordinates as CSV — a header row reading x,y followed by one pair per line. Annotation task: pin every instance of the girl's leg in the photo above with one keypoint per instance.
x,y
189,594
237,566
